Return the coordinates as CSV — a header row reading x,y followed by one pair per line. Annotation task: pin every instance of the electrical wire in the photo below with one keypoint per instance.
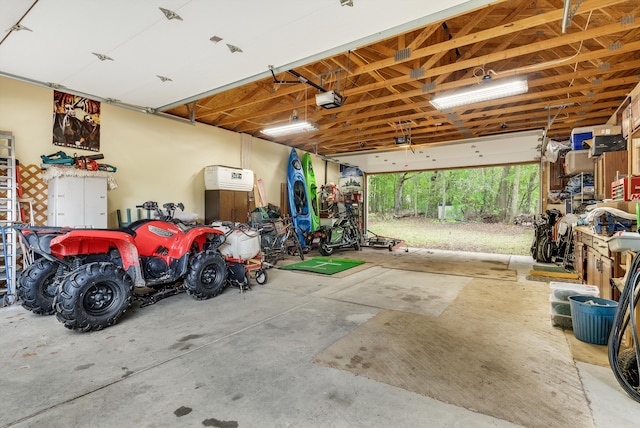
x,y
548,63
575,67
625,315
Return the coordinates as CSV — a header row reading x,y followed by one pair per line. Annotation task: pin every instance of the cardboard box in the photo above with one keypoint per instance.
x,y
607,130
625,206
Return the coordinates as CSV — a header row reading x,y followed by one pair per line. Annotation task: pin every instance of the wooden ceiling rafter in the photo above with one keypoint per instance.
x,y
424,52
591,66
492,33
499,55
557,93
419,92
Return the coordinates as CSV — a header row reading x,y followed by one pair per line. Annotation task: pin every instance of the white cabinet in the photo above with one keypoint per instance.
x,y
77,202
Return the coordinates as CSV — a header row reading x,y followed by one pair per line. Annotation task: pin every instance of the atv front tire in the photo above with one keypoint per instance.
x,y
93,296
207,276
36,287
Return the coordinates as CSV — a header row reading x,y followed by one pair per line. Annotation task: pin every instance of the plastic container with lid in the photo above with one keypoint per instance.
x,y
562,290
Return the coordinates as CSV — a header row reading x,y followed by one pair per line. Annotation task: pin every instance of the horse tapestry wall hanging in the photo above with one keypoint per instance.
x,y
76,122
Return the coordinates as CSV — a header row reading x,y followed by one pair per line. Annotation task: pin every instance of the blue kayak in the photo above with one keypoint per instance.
x,y
298,196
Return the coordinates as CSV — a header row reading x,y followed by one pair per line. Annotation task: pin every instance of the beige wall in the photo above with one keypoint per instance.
x,y
157,159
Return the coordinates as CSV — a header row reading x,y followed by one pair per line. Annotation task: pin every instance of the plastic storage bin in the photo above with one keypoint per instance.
x,y
577,161
592,318
559,301
579,135
560,319
561,307
621,241
562,290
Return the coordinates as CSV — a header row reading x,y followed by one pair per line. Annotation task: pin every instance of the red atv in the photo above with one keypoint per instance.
x,y
89,277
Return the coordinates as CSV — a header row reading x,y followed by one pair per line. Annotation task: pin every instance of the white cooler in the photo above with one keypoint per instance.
x,y
219,177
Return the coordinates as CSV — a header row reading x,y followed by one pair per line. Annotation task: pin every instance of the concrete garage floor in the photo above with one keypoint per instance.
x,y
260,359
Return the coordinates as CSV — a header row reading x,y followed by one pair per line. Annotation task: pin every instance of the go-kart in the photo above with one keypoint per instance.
x,y
89,277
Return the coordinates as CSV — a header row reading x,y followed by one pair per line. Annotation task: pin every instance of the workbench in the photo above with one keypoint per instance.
x,y
595,263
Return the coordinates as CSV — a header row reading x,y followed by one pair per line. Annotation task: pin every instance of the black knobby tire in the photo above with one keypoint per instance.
x,y
207,276
629,366
356,245
261,276
37,287
324,248
545,250
93,297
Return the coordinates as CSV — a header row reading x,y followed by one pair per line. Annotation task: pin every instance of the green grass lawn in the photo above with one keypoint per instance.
x,y
420,232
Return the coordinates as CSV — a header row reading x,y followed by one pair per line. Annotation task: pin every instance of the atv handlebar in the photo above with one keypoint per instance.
x,y
169,209
149,206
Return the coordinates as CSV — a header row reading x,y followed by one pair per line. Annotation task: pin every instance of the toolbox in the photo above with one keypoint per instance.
x,y
620,189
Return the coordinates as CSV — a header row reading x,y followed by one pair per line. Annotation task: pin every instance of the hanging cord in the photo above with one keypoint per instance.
x,y
575,66
625,315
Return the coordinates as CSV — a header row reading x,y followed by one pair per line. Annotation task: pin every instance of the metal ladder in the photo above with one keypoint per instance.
x,y
8,216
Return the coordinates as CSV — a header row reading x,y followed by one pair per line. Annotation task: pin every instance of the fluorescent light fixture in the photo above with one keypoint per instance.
x,y
484,91
290,128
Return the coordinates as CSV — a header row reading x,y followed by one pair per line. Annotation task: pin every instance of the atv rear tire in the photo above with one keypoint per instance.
x,y
36,287
93,296
207,275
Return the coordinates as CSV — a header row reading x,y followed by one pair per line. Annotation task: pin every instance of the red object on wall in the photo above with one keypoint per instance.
x,y
620,190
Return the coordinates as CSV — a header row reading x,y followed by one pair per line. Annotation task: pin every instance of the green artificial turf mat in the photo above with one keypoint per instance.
x,y
324,265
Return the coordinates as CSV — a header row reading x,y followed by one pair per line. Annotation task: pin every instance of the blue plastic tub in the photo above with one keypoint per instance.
x,y
592,318
577,141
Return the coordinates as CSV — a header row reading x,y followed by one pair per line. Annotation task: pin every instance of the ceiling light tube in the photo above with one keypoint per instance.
x,y
290,128
484,91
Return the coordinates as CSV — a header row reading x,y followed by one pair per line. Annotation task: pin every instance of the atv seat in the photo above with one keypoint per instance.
x,y
41,242
128,231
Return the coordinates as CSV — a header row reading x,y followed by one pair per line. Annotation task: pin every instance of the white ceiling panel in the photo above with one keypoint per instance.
x,y
143,43
520,147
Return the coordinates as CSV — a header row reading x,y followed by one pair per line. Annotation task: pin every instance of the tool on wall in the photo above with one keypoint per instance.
x,y
87,163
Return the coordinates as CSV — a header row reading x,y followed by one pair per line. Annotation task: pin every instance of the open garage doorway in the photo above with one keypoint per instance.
x,y
487,210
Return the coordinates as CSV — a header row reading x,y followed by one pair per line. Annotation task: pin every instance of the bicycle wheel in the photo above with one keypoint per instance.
x,y
296,243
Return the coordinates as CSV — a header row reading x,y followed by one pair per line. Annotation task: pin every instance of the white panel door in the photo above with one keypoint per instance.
x,y
66,202
95,203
